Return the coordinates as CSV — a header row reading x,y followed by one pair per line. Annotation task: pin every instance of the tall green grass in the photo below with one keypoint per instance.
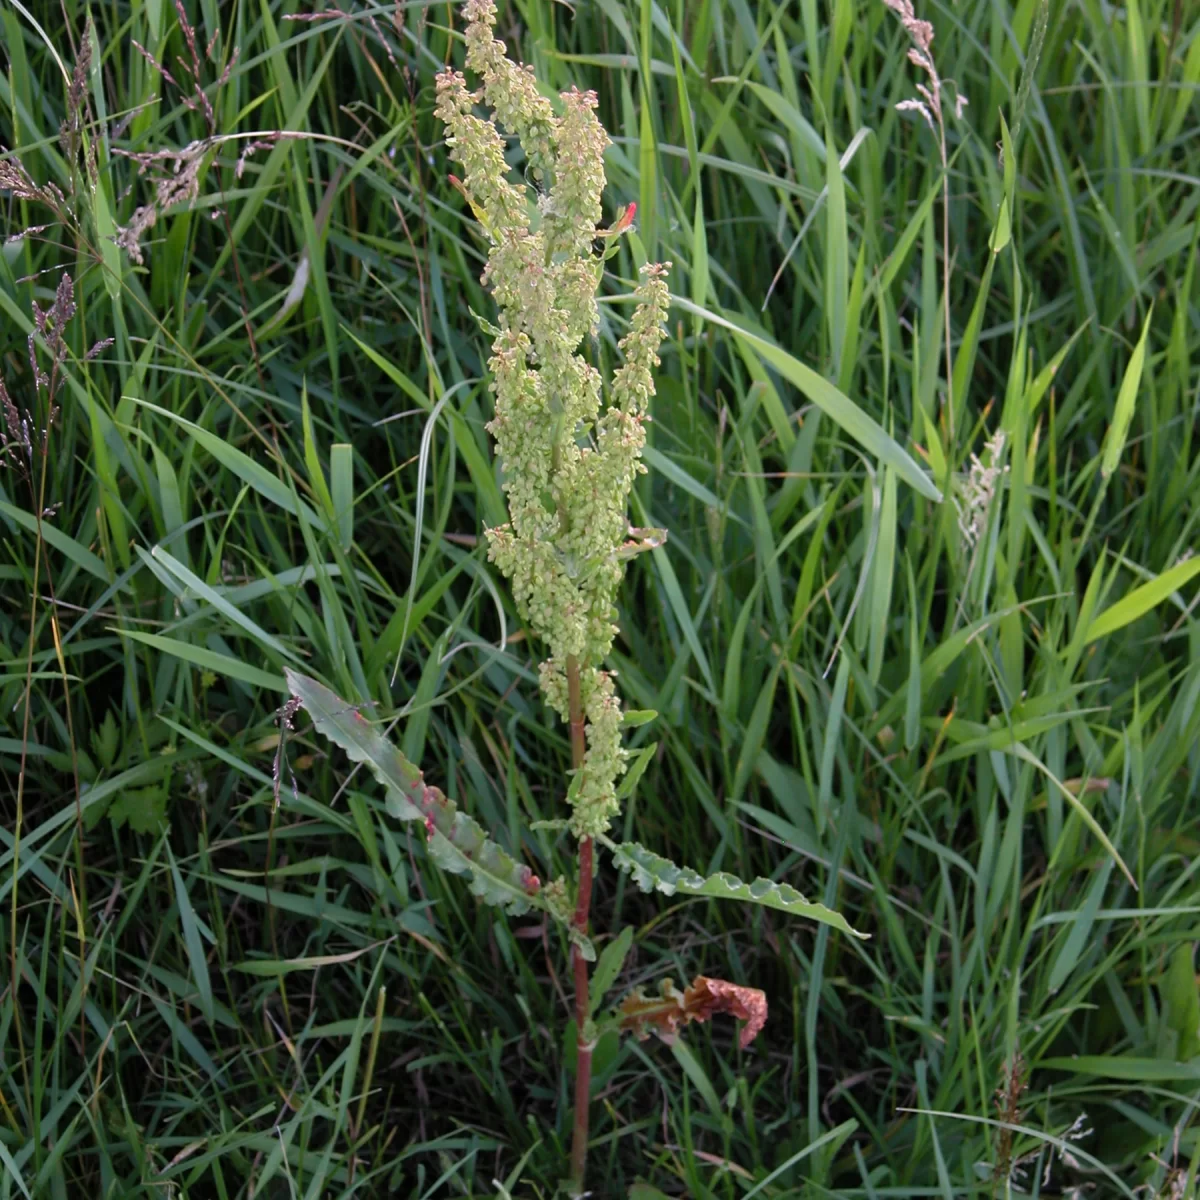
x,y
218,984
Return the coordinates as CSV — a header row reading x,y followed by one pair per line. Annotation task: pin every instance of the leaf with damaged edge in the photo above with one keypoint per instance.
x,y
671,1009
651,871
457,842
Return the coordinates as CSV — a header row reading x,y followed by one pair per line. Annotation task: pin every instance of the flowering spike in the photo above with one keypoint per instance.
x,y
569,459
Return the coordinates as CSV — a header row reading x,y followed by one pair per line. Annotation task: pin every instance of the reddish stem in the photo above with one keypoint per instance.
x,y
583,1045
575,709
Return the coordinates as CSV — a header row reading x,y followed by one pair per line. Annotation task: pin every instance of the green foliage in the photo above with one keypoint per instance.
x,y
1181,995
143,809
612,959
851,699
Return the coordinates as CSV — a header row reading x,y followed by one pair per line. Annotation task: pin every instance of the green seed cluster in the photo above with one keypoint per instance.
x,y
569,459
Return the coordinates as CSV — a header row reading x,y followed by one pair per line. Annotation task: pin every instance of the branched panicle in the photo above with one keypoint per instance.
x,y
70,132
176,177
20,436
14,178
194,98
569,458
920,54
51,325
977,488
285,717
1008,1113
16,445
176,173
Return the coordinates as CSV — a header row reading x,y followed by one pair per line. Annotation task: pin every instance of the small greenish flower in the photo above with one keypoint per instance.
x,y
570,448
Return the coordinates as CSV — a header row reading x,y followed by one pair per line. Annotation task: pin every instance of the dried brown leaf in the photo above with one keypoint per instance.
x,y
671,1009
746,1003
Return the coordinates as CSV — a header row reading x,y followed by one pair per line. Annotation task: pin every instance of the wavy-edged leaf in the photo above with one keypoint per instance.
x,y
457,842
650,871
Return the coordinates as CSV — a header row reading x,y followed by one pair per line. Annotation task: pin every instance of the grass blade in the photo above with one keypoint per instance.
x,y
1118,431
862,428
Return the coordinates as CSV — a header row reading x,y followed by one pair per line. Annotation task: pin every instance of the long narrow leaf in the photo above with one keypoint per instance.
x,y
1142,599
457,842
862,428
206,659
651,871
1118,432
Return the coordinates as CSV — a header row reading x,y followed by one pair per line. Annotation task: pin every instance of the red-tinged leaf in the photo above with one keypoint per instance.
x,y
456,842
641,540
746,1003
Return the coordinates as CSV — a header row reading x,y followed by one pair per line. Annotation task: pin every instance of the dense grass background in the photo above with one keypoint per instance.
x,y
204,995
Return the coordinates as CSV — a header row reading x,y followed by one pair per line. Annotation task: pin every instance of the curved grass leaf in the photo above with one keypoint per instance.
x,y
862,427
650,871
1142,599
1118,432
457,842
